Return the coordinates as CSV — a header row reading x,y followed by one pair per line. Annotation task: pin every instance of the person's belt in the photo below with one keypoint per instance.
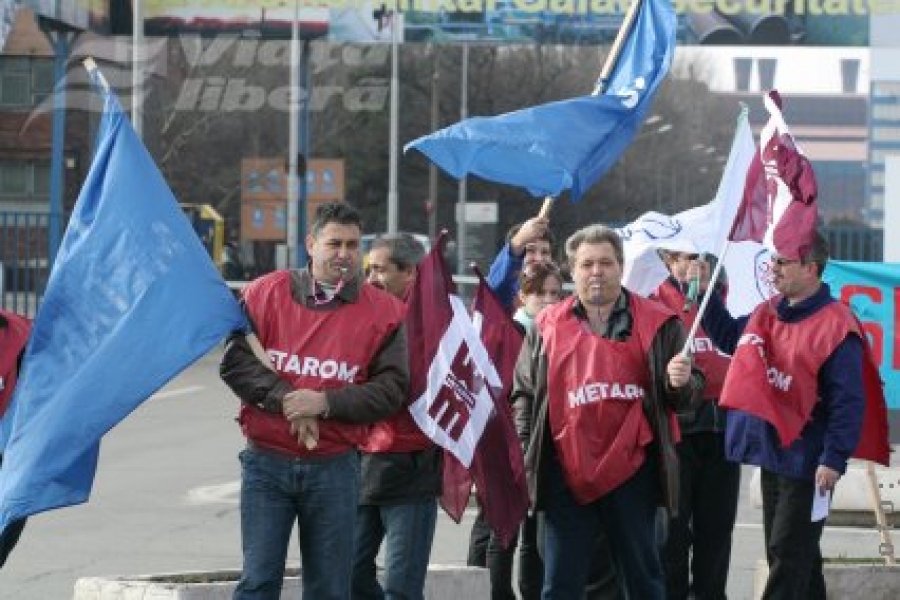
x,y
296,457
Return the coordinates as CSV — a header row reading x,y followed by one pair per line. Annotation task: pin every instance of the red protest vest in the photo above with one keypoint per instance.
x,y
315,349
596,388
12,342
708,358
397,433
774,371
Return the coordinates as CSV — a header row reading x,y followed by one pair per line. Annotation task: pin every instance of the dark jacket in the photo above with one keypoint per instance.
x,y
703,415
530,391
834,427
381,395
400,477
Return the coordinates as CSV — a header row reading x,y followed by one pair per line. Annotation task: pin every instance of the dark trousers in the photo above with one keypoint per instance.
x,y
9,538
485,550
792,540
698,549
628,517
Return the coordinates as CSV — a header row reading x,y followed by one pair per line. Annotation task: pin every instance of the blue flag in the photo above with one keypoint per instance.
x,y
132,300
568,144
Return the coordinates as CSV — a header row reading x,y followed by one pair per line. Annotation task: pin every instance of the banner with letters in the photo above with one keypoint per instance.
x,y
576,22
873,292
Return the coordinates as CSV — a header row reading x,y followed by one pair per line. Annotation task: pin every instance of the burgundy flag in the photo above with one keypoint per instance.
x,y
450,371
874,443
498,468
452,385
779,206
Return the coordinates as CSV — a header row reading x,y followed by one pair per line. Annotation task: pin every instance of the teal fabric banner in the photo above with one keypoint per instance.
x,y
873,292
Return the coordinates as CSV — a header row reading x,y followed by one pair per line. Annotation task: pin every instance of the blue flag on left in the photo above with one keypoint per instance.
x,y
132,300
570,144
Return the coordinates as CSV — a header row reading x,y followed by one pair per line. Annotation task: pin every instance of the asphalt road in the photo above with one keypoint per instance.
x,y
165,500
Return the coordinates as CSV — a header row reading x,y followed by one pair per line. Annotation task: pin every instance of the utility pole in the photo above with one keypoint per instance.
x,y
432,168
461,198
392,199
137,67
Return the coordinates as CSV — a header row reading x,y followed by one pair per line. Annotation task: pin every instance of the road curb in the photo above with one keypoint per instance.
x,y
444,582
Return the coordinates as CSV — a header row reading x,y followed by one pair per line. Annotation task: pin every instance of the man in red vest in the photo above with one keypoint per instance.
x,y
796,400
698,546
14,331
401,467
599,378
338,354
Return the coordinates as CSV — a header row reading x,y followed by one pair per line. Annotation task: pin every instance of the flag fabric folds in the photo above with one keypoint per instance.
x,y
456,389
450,371
498,468
779,206
867,288
703,229
874,440
568,144
132,300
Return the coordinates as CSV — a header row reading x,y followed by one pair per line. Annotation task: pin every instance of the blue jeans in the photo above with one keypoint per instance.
x,y
627,515
321,496
407,531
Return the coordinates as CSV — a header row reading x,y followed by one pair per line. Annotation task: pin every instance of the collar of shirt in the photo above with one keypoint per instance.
x,y
305,291
806,307
618,327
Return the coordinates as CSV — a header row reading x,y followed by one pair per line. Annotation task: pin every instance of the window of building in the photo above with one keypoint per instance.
x,y
886,112
885,134
24,180
24,81
885,89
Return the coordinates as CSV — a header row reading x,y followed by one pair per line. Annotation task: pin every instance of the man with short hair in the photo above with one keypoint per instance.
x,y
401,467
815,344
325,366
599,377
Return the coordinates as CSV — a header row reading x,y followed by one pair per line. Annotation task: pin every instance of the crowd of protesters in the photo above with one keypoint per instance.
x,y
632,435
631,458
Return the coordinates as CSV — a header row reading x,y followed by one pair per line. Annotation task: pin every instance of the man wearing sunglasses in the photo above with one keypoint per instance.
x,y
798,359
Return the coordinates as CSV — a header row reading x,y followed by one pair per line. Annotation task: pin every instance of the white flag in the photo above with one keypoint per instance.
x,y
703,229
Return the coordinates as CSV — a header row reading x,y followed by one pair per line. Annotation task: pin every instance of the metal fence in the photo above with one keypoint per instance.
x,y
855,243
25,262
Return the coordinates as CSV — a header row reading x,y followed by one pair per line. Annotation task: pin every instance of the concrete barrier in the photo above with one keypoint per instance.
x,y
444,582
852,503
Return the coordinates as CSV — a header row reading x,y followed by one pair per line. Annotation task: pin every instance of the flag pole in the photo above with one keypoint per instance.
x,y
308,427
544,213
686,351
608,66
617,46
884,532
614,52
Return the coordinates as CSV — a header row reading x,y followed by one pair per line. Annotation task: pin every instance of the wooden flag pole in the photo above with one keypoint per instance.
x,y
887,546
546,207
617,46
308,431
